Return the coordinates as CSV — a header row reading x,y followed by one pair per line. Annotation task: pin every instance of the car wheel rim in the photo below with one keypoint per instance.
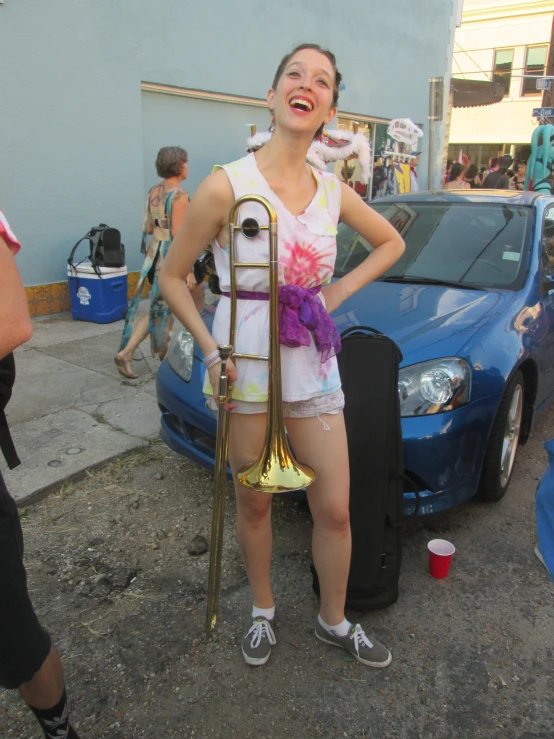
x,y
511,436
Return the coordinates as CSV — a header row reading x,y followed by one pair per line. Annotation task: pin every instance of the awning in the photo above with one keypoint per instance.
x,y
473,93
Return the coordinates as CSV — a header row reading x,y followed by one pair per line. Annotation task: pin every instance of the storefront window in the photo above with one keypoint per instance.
x,y
480,154
379,172
503,60
390,171
535,65
349,170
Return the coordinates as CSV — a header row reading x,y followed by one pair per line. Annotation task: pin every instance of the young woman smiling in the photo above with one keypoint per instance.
x,y
309,204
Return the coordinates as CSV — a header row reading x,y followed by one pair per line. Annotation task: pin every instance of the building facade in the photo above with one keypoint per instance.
x,y
502,41
91,89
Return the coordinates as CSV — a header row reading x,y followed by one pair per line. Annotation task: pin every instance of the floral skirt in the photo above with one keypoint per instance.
x,y
160,318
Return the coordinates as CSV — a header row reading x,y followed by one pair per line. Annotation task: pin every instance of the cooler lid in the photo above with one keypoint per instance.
x,y
86,268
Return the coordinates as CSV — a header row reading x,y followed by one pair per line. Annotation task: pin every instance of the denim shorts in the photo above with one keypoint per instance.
x,y
332,403
24,644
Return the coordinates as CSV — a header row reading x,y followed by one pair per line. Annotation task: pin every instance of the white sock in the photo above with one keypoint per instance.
x,y
341,629
267,613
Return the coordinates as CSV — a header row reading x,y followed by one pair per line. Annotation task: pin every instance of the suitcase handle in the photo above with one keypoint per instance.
x,y
353,330
361,330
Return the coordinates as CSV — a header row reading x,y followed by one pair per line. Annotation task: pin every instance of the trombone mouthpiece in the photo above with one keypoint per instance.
x,y
225,351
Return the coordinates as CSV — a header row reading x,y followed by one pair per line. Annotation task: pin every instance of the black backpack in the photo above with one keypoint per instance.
x,y
204,271
368,365
7,379
106,249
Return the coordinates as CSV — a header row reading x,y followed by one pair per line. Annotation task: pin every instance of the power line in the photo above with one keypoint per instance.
x,y
468,56
500,71
493,71
459,68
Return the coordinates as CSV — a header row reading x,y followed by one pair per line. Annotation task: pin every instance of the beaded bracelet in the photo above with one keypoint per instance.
x,y
212,359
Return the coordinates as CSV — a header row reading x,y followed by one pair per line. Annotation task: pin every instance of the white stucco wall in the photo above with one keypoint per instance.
x,y
72,110
508,24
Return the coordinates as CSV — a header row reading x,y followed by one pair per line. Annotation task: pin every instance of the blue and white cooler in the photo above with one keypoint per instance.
x,y
100,295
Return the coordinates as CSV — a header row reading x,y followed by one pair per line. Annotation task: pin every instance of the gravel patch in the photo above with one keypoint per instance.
x,y
118,569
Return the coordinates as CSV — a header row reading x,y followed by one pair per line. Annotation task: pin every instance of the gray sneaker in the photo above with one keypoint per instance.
x,y
257,641
358,644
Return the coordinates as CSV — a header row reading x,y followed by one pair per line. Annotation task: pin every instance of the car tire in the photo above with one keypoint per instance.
x,y
503,443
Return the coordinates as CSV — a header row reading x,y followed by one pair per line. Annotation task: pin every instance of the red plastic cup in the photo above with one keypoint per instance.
x,y
440,557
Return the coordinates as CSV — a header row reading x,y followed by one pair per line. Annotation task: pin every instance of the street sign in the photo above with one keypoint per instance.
x,y
540,112
543,84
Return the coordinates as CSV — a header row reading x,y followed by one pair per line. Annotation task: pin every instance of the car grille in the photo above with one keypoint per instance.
x,y
200,438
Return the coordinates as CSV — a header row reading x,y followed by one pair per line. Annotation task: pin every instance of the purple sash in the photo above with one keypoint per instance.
x,y
300,312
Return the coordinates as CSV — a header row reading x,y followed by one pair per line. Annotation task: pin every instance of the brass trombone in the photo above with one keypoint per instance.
x,y
276,470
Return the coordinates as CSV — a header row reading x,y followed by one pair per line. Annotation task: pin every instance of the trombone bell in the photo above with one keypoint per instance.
x,y
276,471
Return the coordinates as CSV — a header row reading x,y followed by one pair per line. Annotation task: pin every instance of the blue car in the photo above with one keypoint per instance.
x,y
471,306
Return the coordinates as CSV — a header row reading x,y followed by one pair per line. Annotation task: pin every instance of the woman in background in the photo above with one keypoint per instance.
x,y
518,180
472,177
456,181
165,209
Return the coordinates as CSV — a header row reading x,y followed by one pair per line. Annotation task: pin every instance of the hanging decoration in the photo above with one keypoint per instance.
x,y
405,131
332,146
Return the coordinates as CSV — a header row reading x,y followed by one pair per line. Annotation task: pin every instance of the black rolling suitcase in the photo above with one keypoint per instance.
x,y
368,365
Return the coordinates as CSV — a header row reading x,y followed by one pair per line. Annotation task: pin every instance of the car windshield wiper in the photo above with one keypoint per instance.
x,y
414,280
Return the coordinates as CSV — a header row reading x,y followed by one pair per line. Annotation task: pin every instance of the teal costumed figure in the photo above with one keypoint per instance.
x,y
541,161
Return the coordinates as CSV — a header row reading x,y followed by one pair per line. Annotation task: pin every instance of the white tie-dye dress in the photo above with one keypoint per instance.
x,y
307,252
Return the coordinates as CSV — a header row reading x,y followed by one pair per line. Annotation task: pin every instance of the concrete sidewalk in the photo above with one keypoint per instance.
x,y
71,409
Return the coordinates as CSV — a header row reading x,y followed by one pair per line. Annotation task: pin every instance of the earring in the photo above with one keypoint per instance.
x,y
272,124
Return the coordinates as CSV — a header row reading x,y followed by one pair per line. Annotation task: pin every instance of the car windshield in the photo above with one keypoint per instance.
x,y
465,244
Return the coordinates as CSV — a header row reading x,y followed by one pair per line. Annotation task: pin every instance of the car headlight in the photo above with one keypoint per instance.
x,y
180,354
435,386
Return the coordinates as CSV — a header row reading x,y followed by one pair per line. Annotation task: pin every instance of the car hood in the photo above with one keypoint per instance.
x,y
426,321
